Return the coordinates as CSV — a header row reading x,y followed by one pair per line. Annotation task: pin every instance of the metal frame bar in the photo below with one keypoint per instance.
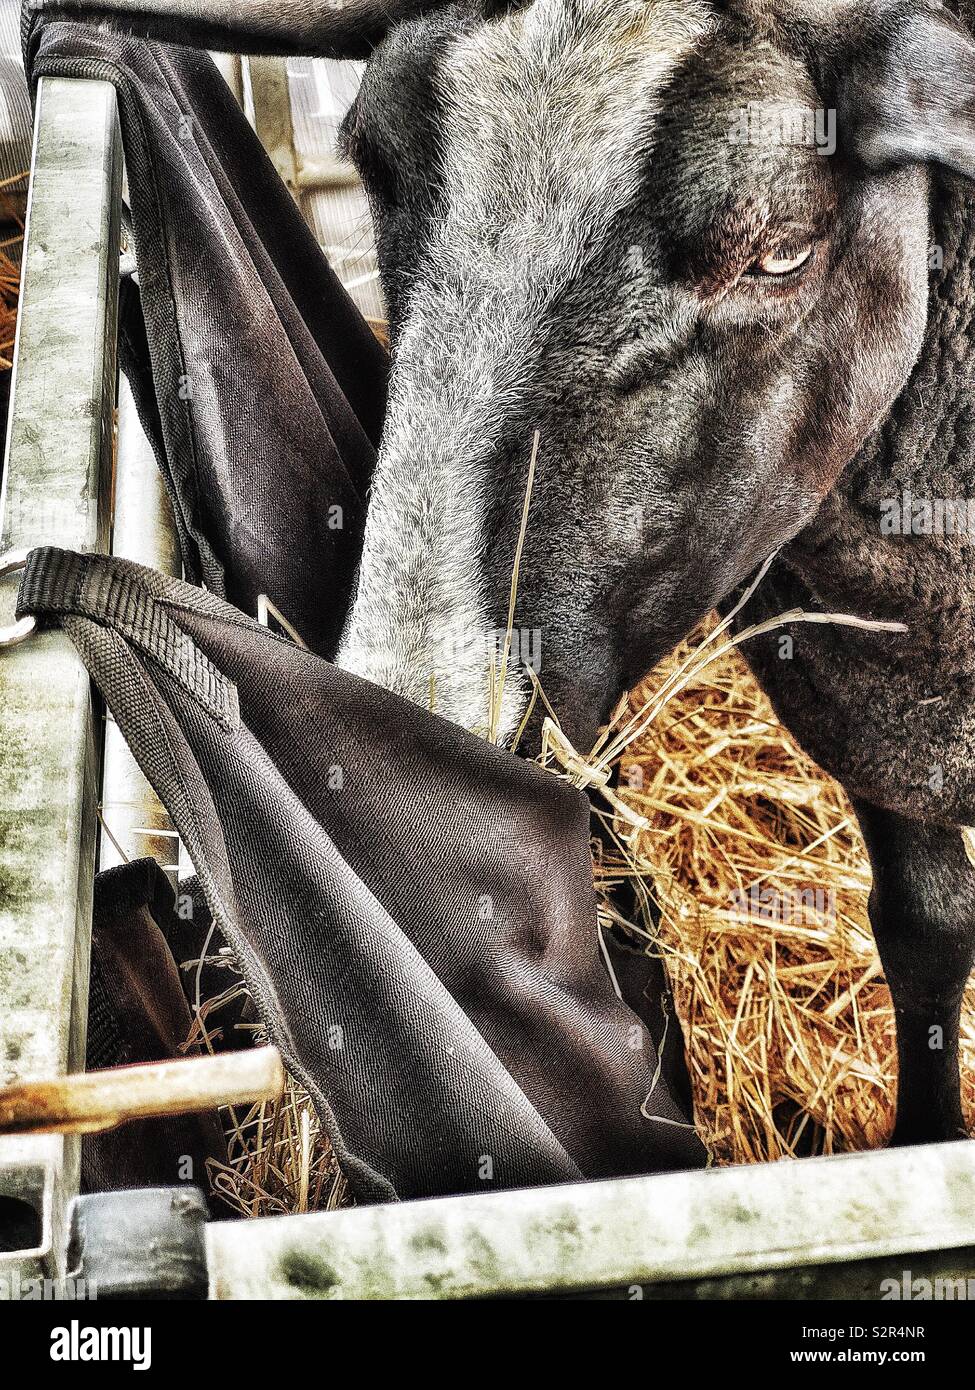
x,y
832,1225
274,125
133,821
272,117
56,491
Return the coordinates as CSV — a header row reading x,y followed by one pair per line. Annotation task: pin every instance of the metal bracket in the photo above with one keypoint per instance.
x,y
12,636
143,1244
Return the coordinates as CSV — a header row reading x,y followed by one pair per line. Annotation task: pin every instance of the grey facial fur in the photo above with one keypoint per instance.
x,y
529,210
566,239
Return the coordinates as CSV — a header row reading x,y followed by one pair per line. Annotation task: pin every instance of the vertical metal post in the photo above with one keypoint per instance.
x,y
231,69
57,486
272,117
134,823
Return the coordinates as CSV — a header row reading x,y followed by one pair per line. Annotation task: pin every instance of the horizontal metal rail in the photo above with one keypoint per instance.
x,y
822,1225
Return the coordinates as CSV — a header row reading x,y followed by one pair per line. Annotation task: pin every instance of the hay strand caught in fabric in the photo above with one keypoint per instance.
x,y
279,1162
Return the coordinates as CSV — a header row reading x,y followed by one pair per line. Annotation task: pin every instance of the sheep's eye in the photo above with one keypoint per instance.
x,y
778,264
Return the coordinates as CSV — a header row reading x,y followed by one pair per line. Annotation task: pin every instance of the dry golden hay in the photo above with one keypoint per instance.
x,y
278,1160
755,861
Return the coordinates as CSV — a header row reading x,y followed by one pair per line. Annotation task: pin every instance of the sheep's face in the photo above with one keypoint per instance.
x,y
674,242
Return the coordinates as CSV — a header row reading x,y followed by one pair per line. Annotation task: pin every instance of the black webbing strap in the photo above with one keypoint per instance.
x,y
61,583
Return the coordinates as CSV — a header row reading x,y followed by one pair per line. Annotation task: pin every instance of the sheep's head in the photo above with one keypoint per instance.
x,y
683,242
688,245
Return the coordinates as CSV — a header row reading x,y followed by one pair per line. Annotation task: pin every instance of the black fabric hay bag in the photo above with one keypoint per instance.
x,y
259,383
412,909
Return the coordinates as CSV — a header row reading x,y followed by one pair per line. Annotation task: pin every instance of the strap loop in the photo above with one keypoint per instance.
x,y
15,633
130,601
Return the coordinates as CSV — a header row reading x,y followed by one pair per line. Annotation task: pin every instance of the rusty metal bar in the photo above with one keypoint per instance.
x,y
94,1101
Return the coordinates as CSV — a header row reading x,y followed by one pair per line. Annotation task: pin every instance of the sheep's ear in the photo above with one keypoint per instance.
x,y
327,28
909,92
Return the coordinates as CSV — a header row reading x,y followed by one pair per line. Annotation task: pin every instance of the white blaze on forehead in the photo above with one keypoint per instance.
x,y
547,114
